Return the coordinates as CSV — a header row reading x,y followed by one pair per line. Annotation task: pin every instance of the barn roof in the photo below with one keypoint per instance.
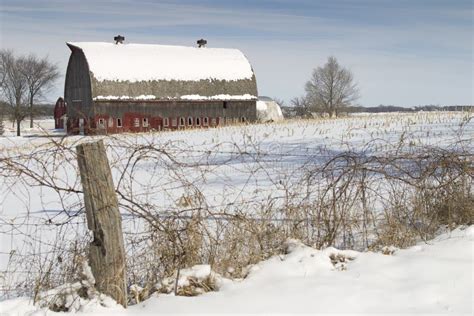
x,y
146,62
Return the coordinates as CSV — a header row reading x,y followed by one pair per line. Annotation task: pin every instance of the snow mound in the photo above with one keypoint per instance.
x,y
192,281
80,296
300,260
429,278
433,277
269,111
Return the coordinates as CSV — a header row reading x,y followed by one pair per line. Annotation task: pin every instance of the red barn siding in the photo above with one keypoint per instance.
x,y
178,114
59,111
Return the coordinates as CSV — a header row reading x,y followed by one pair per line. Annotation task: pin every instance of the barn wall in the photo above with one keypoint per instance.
x,y
77,89
156,112
173,88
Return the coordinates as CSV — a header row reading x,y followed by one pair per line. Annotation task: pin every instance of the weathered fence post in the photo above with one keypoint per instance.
x,y
106,252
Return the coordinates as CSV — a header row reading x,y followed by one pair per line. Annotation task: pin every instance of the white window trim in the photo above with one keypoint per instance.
x,y
119,122
166,122
205,121
145,122
136,122
101,123
198,121
190,118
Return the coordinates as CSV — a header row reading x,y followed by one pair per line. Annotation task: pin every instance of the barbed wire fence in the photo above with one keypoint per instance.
x,y
230,204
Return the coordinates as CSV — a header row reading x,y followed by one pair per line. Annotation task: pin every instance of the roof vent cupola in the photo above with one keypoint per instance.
x,y
201,43
119,39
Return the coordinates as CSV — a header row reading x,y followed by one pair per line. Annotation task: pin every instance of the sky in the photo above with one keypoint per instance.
x,y
404,52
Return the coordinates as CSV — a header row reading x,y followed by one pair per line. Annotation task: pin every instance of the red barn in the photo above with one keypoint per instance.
x,y
59,113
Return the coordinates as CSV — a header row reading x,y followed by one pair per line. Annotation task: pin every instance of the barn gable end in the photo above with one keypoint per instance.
x,y
77,89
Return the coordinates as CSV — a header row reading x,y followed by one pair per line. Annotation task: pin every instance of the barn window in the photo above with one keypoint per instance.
x,y
243,119
174,122
225,104
198,121
119,122
111,122
145,122
136,122
166,122
190,120
101,123
181,121
205,121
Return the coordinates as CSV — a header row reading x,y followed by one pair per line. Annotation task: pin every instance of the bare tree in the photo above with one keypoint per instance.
x,y
2,128
3,74
301,106
331,88
40,75
14,86
2,81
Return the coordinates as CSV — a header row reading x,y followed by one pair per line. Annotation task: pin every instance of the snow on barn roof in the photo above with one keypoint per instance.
x,y
146,62
191,97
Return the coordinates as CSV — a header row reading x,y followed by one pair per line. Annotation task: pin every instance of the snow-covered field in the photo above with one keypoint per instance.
x,y
239,169
428,279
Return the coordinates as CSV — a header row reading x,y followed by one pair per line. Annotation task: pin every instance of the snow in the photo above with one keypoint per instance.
x,y
146,62
261,105
184,97
125,97
41,127
269,111
201,272
219,97
192,278
429,278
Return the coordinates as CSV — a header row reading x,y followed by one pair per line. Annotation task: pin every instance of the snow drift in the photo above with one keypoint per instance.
x,y
432,277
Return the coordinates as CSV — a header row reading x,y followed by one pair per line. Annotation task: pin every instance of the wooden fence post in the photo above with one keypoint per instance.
x,y
106,252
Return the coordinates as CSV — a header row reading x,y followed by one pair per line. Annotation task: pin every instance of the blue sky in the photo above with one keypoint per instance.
x,y
401,52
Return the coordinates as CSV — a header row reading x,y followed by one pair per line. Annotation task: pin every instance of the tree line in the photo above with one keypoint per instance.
x,y
24,81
